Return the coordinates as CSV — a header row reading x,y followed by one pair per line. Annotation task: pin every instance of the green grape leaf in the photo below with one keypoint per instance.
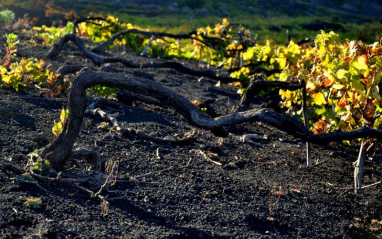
x,y
378,122
357,85
319,110
376,79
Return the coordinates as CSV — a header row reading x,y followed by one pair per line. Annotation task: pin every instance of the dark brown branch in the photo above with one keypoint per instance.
x,y
364,132
190,35
306,40
68,69
265,71
186,140
258,84
59,150
173,65
88,20
127,97
254,64
99,60
8,166
57,48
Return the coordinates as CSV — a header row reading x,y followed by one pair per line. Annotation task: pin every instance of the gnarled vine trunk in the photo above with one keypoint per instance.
x,y
59,150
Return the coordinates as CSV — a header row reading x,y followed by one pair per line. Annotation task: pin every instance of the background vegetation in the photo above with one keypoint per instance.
x,y
352,19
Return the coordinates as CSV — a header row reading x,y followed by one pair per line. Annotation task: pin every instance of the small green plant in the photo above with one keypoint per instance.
x,y
12,40
7,16
103,90
37,165
27,177
53,34
40,166
104,126
33,202
10,49
25,72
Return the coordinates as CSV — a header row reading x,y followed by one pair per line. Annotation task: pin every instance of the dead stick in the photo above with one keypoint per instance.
x,y
108,182
209,159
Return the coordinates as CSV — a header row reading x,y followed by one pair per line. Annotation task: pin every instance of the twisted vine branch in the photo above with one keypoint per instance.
x,y
59,150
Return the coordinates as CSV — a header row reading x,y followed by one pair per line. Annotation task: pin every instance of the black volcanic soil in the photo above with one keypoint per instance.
x,y
256,192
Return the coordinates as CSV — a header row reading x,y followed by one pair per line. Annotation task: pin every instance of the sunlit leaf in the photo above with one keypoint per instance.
x,y
343,74
57,128
320,110
318,98
286,94
64,115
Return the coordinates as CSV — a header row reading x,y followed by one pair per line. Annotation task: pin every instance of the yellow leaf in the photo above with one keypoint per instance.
x,y
286,94
266,50
364,64
318,98
57,128
342,74
225,22
3,70
282,62
360,66
283,76
293,48
64,115
6,79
